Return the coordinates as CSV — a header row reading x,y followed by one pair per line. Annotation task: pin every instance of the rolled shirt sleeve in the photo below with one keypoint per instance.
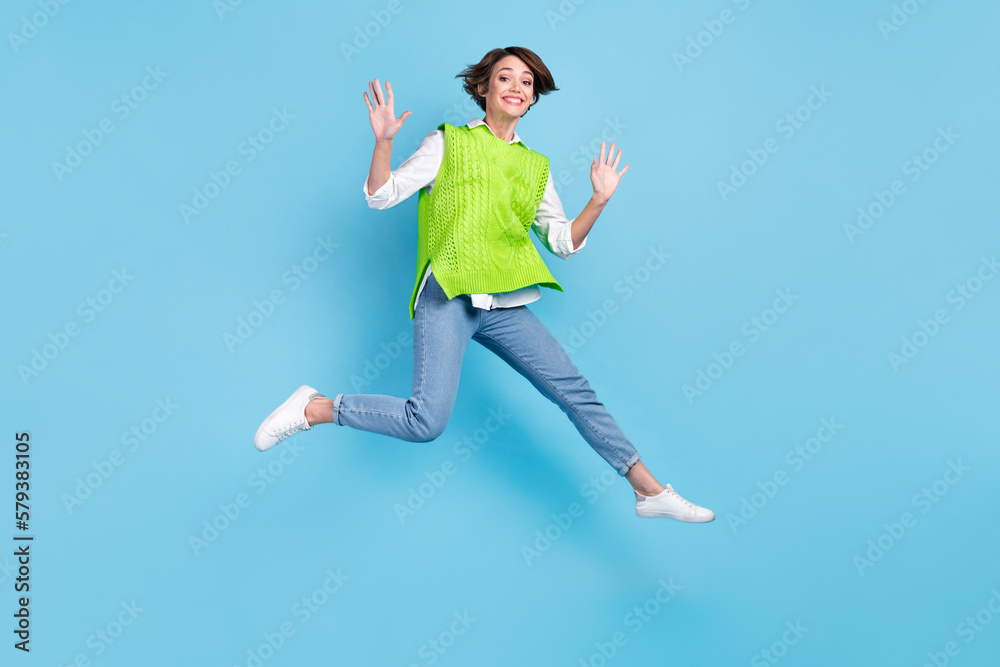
x,y
551,226
415,172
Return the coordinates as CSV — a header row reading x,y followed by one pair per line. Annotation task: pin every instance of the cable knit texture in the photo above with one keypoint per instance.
x,y
474,224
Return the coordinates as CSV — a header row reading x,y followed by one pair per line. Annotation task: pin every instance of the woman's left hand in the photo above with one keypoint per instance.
x,y
603,173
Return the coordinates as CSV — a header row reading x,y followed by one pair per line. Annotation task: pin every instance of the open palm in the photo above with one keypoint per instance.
x,y
385,125
604,175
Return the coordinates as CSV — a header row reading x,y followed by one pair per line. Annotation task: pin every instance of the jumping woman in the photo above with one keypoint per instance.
x,y
481,189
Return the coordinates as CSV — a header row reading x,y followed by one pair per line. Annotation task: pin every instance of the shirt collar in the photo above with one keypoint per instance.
x,y
479,121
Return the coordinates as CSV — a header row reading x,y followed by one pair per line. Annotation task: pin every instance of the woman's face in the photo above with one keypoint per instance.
x,y
511,88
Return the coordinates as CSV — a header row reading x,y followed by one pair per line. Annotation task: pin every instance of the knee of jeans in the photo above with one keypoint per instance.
x,y
428,427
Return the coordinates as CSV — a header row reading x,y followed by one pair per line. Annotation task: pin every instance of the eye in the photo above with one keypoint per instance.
x,y
503,77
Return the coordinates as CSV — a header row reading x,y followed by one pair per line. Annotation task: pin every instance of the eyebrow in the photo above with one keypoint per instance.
x,y
512,69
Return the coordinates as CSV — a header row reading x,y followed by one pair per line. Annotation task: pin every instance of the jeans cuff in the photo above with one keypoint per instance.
x,y
336,408
628,466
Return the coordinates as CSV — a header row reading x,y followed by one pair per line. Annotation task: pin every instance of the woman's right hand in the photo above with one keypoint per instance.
x,y
385,125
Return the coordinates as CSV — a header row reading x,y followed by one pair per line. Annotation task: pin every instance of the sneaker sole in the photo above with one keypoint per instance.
x,y
304,389
647,514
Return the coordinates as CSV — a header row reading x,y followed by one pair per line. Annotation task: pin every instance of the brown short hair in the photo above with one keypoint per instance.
x,y
481,72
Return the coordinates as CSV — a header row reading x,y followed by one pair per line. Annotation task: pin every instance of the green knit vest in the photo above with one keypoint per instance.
x,y
474,224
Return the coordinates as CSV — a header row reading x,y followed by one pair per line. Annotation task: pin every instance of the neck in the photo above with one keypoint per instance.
x,y
502,125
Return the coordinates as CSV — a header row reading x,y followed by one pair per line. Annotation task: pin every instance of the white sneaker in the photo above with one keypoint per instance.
x,y
289,418
668,503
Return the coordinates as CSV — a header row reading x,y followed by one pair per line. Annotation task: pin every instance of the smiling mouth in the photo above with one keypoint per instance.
x,y
513,101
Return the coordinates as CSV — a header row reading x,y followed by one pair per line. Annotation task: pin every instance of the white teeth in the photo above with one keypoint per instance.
x,y
511,100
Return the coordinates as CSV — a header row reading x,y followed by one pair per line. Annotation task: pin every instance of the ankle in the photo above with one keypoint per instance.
x,y
319,411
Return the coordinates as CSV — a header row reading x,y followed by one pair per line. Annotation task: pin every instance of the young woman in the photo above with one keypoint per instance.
x,y
481,190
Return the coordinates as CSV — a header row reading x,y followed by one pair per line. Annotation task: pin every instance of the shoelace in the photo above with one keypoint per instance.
x,y
294,427
690,504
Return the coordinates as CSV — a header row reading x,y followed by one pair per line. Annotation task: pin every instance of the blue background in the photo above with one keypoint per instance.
x,y
738,583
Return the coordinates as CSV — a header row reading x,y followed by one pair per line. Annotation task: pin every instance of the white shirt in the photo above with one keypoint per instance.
x,y
420,170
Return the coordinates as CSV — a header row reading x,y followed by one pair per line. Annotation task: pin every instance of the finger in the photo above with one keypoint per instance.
x,y
611,151
601,160
377,92
623,170
388,92
614,165
367,102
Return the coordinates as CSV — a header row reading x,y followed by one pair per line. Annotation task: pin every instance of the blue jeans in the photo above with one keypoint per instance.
x,y
441,331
